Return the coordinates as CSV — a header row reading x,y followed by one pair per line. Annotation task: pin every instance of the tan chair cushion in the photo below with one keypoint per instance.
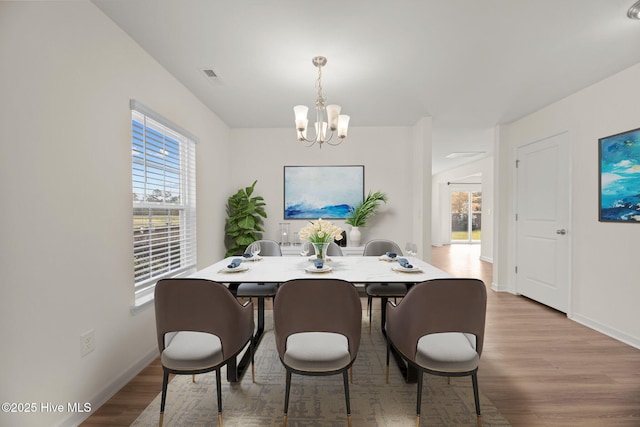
x,y
317,351
447,352
190,350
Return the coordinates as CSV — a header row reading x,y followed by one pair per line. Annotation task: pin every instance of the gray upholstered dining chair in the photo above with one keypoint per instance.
x,y
384,291
261,290
439,328
200,326
317,325
267,248
332,250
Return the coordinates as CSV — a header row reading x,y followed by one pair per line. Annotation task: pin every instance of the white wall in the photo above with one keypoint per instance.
x,y
421,167
66,76
385,153
605,277
480,171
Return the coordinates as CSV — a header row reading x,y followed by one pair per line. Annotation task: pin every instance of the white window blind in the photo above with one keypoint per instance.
x,y
164,200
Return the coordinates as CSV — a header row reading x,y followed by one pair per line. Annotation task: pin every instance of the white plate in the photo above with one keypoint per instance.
x,y
313,269
386,258
406,270
253,258
313,257
237,269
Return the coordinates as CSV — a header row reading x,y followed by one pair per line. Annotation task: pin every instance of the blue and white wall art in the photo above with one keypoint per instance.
x,y
620,177
327,192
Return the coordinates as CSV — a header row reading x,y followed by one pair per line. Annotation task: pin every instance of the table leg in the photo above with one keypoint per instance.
x,y
236,369
383,314
408,371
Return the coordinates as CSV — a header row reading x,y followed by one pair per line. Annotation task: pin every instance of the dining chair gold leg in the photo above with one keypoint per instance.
x,y
253,351
284,421
417,420
479,420
193,378
161,419
449,380
349,420
220,419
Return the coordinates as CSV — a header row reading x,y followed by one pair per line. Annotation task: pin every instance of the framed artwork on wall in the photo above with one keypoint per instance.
x,y
619,177
327,192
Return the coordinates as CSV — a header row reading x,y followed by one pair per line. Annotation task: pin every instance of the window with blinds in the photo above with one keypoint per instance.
x,y
164,200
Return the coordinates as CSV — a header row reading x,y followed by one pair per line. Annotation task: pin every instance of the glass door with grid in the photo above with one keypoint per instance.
x,y
466,216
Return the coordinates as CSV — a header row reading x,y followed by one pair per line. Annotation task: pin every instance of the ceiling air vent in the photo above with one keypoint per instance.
x,y
210,73
211,76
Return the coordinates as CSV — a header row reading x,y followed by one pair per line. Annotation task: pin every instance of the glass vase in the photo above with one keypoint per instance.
x,y
321,250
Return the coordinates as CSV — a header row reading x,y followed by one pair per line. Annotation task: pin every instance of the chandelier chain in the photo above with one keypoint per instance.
x,y
320,100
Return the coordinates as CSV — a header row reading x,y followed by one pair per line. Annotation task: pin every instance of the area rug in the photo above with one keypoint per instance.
x,y
319,401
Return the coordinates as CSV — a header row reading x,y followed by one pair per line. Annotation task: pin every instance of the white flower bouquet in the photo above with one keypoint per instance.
x,y
320,231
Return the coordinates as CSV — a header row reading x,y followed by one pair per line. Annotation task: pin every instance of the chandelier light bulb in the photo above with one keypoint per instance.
x,y
343,126
301,116
333,112
321,131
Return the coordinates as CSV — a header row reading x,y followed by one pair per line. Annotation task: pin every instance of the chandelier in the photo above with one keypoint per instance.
x,y
328,119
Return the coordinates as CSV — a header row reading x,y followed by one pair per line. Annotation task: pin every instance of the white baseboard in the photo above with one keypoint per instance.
x,y
500,288
111,389
606,330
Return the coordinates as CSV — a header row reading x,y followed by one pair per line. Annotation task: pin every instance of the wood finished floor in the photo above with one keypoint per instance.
x,y
539,368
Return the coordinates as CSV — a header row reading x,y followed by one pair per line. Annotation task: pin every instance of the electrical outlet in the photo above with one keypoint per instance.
x,y
87,343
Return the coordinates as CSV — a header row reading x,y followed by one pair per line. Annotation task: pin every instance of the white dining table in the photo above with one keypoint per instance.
x,y
358,270
354,269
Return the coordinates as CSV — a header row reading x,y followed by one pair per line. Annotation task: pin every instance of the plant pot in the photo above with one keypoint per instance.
x,y
354,236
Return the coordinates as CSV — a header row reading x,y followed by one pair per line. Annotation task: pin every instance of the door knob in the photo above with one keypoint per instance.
x,y
561,231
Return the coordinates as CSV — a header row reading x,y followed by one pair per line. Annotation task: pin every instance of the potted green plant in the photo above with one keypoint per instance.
x,y
244,220
362,212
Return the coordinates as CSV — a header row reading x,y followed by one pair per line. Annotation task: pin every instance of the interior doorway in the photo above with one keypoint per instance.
x,y
466,216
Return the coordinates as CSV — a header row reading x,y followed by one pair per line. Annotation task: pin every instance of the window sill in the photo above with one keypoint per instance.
x,y
144,299
142,303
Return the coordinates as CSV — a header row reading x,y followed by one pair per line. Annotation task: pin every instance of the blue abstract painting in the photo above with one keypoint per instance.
x,y
620,177
327,192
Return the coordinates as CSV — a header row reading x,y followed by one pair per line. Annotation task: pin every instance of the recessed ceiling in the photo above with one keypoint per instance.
x,y
469,64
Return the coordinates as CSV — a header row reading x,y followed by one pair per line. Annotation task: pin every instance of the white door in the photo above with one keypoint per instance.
x,y
543,262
